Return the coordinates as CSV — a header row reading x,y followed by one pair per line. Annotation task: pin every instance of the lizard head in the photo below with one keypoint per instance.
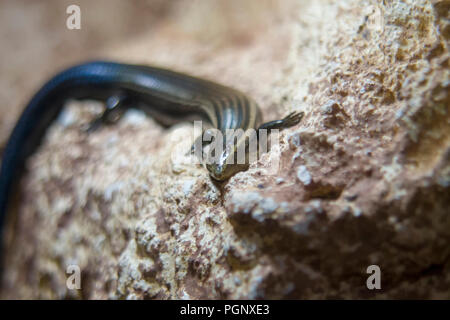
x,y
222,171
231,158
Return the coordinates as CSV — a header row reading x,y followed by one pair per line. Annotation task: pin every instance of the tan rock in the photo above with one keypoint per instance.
x,y
363,180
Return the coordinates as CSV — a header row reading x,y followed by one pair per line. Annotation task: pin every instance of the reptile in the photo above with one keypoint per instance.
x,y
166,95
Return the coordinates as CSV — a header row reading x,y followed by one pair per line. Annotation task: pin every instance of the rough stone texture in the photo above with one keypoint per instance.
x,y
363,180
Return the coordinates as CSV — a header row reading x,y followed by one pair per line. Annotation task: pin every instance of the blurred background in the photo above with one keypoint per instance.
x,y
200,37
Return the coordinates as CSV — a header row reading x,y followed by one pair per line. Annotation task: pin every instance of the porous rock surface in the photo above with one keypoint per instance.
x,y
362,180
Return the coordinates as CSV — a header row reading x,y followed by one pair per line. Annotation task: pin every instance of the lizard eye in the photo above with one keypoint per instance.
x,y
216,171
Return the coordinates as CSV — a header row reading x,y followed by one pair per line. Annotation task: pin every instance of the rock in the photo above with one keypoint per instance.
x,y
363,180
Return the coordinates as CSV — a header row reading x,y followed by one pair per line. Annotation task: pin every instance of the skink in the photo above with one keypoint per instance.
x,y
168,96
